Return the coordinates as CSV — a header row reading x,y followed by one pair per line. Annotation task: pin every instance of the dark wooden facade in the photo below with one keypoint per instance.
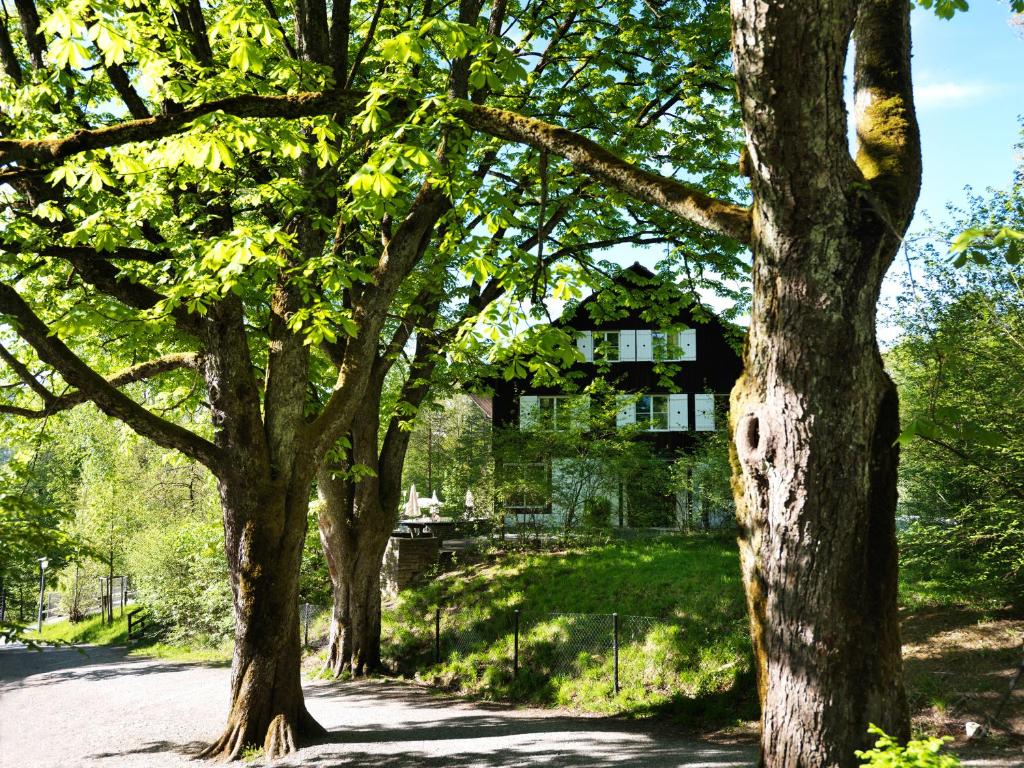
x,y
714,369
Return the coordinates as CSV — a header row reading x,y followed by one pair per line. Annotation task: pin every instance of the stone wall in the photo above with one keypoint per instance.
x,y
405,560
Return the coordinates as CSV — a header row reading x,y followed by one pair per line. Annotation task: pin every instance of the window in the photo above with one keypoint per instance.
x,y
530,490
662,349
559,413
652,413
674,345
555,413
606,346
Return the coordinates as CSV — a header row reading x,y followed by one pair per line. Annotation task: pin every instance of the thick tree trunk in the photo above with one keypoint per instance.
x,y
354,531
815,416
264,484
264,545
816,508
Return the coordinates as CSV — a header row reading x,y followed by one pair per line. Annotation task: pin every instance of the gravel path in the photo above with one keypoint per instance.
x,y
63,708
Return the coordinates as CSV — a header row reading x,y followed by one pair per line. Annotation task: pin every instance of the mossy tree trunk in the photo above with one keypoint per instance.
x,y
264,537
814,415
354,531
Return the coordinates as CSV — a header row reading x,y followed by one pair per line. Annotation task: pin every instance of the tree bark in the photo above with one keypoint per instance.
x,y
815,416
264,547
356,520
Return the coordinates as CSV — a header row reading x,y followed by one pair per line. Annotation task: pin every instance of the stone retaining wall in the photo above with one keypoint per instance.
x,y
405,560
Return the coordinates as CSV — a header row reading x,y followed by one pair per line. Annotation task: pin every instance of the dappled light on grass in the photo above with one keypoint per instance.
x,y
682,629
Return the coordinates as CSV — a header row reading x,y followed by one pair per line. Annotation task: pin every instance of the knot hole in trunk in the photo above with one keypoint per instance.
x,y
751,442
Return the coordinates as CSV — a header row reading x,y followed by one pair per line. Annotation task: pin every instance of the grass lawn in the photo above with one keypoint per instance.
x,y
93,631
684,643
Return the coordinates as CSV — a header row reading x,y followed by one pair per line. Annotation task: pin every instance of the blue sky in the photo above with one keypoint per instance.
x,y
969,88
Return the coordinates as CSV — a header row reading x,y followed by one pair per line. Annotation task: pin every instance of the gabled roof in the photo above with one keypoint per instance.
x,y
624,307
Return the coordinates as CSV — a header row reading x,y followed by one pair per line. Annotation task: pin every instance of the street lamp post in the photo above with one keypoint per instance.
x,y
43,562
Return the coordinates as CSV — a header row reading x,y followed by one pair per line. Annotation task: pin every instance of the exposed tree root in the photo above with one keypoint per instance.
x,y
228,747
281,738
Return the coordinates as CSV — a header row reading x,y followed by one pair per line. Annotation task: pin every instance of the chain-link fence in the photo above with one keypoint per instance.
x,y
624,652
312,621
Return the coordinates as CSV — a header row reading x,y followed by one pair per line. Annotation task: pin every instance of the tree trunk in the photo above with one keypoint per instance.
x,y
354,531
815,416
264,538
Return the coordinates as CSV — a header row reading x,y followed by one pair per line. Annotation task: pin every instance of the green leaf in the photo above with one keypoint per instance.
x,y
1014,252
68,52
247,55
402,48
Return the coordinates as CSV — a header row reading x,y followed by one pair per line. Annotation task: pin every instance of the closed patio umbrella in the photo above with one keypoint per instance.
x,y
412,506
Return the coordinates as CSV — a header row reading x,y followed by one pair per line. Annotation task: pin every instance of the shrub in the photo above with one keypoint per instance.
x,y
918,753
182,577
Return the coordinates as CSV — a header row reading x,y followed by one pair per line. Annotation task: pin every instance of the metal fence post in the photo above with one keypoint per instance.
x,y
437,635
515,643
615,648
305,624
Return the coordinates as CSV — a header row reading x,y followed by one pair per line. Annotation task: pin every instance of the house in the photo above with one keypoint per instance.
x,y
671,366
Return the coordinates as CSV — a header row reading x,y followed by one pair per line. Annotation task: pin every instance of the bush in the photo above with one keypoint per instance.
x,y
182,576
918,753
597,513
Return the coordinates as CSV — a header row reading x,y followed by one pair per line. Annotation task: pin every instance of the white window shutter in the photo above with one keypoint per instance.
x,y
643,346
585,344
528,411
678,413
687,341
627,346
704,413
627,411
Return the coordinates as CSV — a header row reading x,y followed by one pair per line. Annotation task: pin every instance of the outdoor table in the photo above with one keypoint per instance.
x,y
416,525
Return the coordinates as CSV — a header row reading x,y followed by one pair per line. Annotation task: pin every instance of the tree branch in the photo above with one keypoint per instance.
x,y
159,126
888,141
30,29
122,253
52,351
95,269
26,375
139,372
123,85
673,196
8,59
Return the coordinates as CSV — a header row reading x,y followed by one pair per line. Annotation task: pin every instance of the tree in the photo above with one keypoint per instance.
x,y
207,250
814,417
958,364
234,253
525,202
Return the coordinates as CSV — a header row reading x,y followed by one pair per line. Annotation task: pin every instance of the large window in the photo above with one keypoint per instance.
x,y
530,489
606,346
652,412
559,413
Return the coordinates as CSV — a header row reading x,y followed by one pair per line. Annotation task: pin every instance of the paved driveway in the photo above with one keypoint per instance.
x,y
61,708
